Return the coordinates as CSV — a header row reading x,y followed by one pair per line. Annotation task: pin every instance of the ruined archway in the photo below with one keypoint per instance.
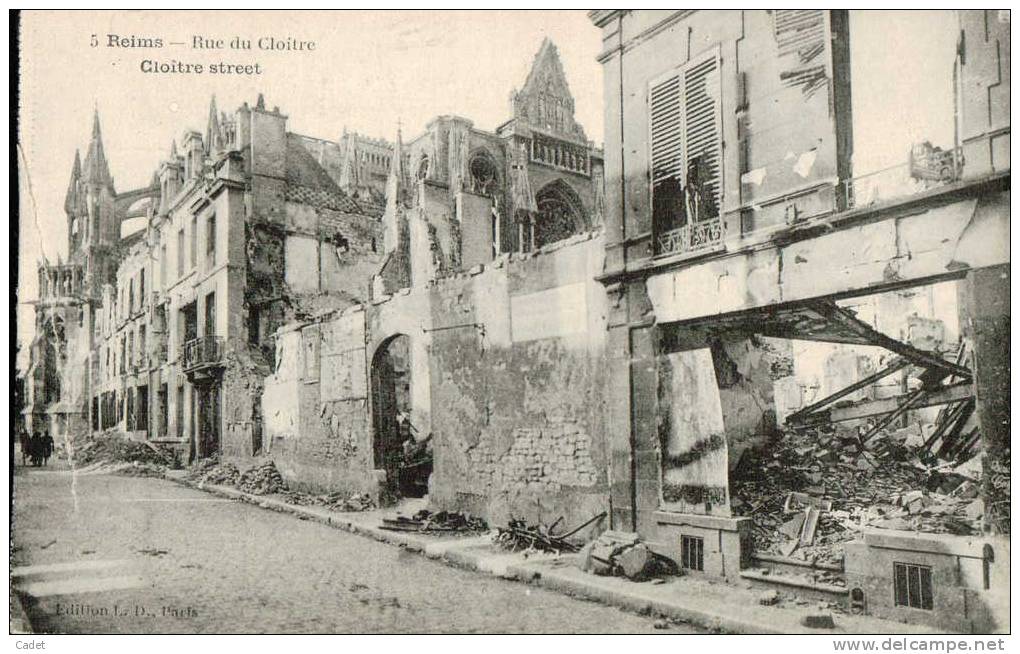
x,y
560,214
397,449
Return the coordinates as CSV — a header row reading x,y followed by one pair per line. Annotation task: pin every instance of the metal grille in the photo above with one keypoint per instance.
x,y
692,552
912,585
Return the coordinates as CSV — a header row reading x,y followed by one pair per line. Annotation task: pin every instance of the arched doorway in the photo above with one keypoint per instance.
x,y
397,448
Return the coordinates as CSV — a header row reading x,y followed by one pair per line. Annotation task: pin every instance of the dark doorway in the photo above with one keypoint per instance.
x,y
208,419
188,323
397,445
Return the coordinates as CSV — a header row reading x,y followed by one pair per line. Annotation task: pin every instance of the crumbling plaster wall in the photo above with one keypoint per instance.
x,y
716,400
315,406
517,354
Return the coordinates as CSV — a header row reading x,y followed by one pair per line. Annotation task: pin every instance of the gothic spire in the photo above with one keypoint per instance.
x,y
398,197
95,170
213,142
71,199
545,101
350,174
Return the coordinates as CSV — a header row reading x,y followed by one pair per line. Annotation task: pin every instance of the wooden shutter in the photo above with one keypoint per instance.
x,y
664,106
702,144
799,30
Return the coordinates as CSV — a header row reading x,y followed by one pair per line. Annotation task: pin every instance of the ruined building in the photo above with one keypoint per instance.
x,y
166,332
484,310
733,216
562,331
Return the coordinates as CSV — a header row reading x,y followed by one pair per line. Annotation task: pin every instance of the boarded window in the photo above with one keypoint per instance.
x,y
686,147
912,585
692,552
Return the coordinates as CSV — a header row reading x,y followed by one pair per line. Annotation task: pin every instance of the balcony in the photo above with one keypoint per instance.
x,y
204,353
693,238
928,167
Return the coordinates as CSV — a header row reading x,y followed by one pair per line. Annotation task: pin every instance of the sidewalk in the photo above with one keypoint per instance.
x,y
684,599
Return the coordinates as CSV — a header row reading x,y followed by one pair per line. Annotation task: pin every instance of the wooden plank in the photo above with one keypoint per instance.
x,y
945,395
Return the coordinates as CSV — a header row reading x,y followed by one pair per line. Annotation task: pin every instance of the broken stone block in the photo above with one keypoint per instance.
x,y
635,561
769,598
792,527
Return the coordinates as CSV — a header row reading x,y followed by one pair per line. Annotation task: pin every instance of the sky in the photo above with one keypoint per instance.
x,y
369,72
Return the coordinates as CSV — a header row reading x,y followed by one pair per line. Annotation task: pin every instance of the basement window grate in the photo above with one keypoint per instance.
x,y
912,585
692,552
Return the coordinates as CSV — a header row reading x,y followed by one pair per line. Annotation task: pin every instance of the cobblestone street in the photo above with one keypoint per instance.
x,y
106,554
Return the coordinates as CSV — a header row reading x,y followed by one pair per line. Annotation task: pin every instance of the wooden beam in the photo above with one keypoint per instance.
x,y
944,395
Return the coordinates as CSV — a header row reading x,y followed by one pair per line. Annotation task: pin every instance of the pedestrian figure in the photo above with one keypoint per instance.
x,y
47,448
35,449
26,443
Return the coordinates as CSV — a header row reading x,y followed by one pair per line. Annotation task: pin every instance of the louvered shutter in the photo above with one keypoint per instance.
x,y
799,30
664,100
701,130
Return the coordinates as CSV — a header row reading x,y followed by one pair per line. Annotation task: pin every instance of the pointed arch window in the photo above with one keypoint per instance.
x,y
560,214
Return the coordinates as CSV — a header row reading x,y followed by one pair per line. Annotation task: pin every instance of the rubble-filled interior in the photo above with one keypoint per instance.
x,y
892,445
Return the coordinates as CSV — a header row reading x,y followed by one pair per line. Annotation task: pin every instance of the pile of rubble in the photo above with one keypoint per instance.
x,y
440,521
137,469
263,479
115,448
340,502
810,490
211,471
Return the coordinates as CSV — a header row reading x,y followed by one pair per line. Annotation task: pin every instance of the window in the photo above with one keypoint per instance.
x,y
141,345
141,289
180,252
210,240
912,585
686,151
162,266
210,314
193,248
692,552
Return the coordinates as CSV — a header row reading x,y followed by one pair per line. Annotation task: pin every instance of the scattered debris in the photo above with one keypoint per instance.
x,y
660,624
339,501
812,489
114,447
818,621
518,536
139,469
48,545
769,598
261,480
444,521
153,552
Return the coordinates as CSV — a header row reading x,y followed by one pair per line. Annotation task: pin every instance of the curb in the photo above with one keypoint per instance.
x,y
635,599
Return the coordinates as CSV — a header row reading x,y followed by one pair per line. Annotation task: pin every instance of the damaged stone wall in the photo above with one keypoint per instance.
x,y
716,400
315,406
517,353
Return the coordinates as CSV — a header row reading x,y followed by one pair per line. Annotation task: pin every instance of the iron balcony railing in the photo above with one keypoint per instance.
x,y
203,351
693,237
928,167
